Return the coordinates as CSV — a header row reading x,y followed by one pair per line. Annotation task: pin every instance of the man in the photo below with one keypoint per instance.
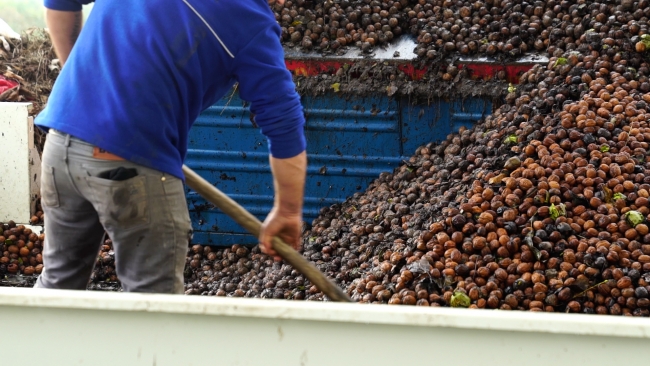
x,y
139,74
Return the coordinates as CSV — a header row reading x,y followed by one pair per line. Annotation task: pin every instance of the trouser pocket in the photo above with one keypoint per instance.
x,y
175,195
49,192
124,203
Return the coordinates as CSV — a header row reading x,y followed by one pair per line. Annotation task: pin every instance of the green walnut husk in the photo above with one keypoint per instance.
x,y
634,218
460,300
511,139
557,211
560,61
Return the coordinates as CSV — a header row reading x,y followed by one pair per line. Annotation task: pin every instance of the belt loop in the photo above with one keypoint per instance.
x,y
67,140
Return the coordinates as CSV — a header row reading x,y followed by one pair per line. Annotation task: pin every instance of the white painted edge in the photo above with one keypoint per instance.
x,y
404,45
524,60
29,105
578,324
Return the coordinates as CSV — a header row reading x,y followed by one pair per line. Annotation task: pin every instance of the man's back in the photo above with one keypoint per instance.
x,y
142,71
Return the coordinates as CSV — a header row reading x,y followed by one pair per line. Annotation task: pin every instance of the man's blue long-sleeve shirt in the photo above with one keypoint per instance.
x,y
142,71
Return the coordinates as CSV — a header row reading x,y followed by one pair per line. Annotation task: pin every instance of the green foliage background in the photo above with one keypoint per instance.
x,y
24,14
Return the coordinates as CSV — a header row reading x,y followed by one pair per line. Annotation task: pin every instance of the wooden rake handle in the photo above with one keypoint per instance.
x,y
253,226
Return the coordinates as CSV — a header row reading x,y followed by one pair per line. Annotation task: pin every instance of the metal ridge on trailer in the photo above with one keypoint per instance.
x,y
401,54
70,327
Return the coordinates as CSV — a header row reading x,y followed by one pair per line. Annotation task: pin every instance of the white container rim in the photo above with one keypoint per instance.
x,y
578,324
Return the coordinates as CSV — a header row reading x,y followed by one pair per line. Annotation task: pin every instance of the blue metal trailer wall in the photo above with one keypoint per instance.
x,y
350,142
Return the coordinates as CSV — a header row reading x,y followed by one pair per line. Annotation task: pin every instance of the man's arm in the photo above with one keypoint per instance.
x,y
64,27
265,82
285,219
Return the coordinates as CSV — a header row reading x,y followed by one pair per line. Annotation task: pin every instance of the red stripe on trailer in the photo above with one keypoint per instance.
x,y
487,71
316,67
410,70
313,68
484,71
